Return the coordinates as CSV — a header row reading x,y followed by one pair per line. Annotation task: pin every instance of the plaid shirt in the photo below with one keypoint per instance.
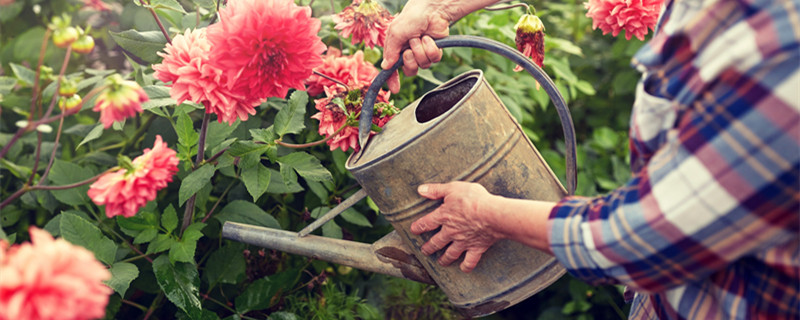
x,y
708,227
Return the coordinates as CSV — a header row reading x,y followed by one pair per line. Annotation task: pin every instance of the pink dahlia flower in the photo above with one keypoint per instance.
x,y
633,16
192,78
124,191
265,47
121,99
51,279
350,70
98,5
367,21
337,116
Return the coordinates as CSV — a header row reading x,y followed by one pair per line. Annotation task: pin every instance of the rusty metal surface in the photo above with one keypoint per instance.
x,y
461,131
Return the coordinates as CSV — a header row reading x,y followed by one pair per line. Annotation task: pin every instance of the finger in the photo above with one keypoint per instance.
x,y
409,64
394,82
427,223
419,53
432,191
392,47
436,243
471,260
432,51
452,254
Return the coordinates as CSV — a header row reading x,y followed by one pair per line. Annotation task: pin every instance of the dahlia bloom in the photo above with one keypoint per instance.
x,y
265,47
51,279
633,16
367,21
120,100
192,78
341,108
350,70
124,191
530,39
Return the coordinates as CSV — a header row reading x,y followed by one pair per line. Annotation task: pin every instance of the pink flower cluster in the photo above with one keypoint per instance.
x,y
633,16
126,190
350,70
51,279
259,49
337,111
366,20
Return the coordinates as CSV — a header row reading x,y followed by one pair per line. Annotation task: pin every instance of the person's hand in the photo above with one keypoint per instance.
x,y
465,225
416,26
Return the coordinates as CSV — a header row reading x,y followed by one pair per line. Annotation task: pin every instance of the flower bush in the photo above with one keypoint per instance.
x,y
131,131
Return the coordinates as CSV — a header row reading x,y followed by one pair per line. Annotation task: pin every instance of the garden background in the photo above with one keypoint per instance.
x,y
169,261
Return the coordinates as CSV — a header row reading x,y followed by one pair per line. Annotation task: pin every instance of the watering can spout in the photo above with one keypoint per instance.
x,y
388,255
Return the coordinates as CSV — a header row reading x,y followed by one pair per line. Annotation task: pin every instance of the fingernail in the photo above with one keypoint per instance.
x,y
384,65
422,189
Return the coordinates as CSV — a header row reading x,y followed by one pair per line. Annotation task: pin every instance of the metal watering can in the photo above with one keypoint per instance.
x,y
458,131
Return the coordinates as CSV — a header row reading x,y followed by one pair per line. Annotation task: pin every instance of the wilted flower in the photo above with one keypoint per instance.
x,y
98,5
350,70
121,99
367,21
633,16
265,47
51,279
340,110
126,190
530,38
192,78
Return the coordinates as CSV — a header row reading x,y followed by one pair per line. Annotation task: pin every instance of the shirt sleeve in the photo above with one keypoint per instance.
x,y
723,185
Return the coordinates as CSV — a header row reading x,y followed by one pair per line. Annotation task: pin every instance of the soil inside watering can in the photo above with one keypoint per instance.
x,y
438,102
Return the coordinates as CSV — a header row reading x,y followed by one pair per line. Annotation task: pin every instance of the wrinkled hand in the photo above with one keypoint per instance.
x,y
465,226
417,25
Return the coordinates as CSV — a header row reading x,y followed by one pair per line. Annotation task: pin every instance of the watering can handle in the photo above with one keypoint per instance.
x,y
365,123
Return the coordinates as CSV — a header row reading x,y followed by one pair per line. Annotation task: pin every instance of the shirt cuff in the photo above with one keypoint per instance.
x,y
569,243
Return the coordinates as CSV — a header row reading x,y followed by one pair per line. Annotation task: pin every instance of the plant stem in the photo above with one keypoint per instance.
x,y
332,79
208,215
26,187
138,134
153,305
516,5
35,96
55,148
311,144
158,21
36,156
188,215
215,156
135,305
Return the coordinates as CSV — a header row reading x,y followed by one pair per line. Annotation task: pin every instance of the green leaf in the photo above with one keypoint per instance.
x,y
7,84
219,132
182,251
247,212
284,181
290,118
427,74
122,273
80,231
256,180
332,230
226,265
243,148
64,173
158,97
142,221
356,218
145,236
605,137
261,293
180,282
10,11
143,45
96,132
207,4
194,182
169,219
18,171
24,74
561,68
264,135
282,315
167,4
184,127
306,166
585,87
162,243
563,45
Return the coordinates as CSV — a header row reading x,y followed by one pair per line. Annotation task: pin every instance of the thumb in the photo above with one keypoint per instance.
x,y
432,190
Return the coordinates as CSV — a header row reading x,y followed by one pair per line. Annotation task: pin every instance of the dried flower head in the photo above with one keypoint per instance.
x,y
120,99
366,20
126,190
339,113
530,38
51,279
633,16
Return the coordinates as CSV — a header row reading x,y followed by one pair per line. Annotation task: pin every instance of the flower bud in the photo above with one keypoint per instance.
x,y
69,103
67,88
530,38
63,37
84,44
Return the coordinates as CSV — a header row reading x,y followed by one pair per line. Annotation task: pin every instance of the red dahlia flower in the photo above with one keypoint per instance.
x,y
192,78
350,70
338,115
121,99
633,16
367,21
124,191
265,47
51,279
530,39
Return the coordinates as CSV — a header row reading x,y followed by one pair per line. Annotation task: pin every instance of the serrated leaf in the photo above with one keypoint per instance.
x,y
169,219
284,181
80,231
332,230
64,173
184,127
218,133
158,97
96,132
194,182
144,220
207,4
23,74
290,118
264,135
243,148
122,273
256,180
585,87
259,294
306,166
356,218
563,45
247,212
180,282
162,243
143,45
226,265
182,251
167,4
145,236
